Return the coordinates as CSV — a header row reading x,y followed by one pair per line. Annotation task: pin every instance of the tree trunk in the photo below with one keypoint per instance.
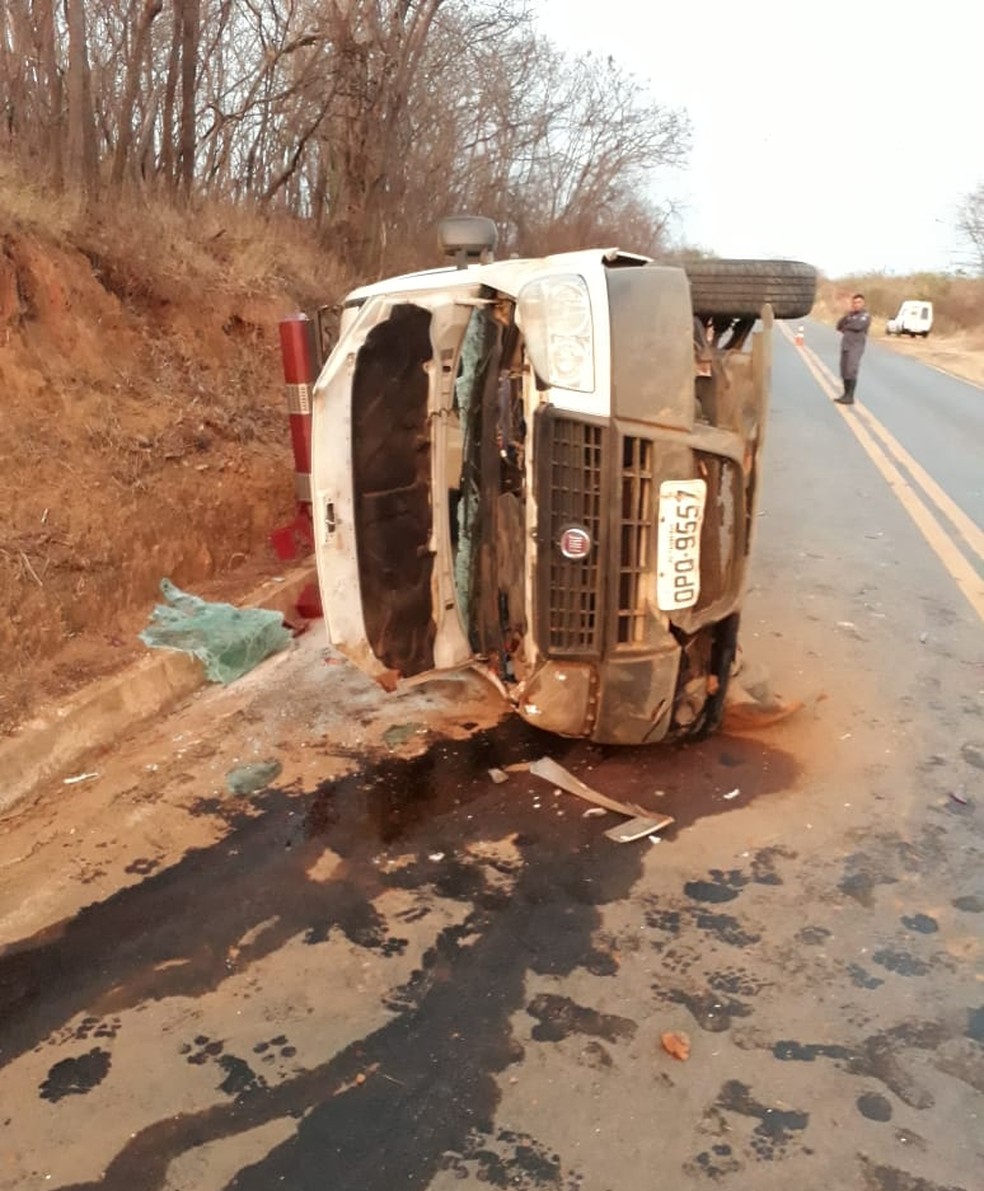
x,y
82,161
190,37
150,11
56,118
170,94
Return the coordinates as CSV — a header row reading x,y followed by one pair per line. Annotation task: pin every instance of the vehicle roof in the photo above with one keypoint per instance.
x,y
506,275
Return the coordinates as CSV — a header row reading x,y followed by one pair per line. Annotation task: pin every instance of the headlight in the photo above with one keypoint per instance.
x,y
555,314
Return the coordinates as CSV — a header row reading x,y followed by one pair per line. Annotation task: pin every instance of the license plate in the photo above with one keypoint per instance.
x,y
681,514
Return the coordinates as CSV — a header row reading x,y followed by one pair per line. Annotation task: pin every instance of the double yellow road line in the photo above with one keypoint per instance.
x,y
917,492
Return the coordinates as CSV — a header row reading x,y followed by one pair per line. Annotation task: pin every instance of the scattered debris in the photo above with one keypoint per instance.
x,y
677,1045
751,703
750,715
249,779
973,754
641,822
594,812
961,798
639,828
228,641
731,794
399,734
389,680
79,777
498,776
435,856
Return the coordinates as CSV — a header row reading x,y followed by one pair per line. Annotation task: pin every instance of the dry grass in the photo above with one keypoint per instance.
x,y
148,336
962,355
26,207
145,248
149,252
958,302
956,343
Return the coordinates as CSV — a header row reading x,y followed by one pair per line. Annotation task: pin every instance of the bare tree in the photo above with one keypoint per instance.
x,y
190,15
560,152
970,225
81,143
370,118
148,11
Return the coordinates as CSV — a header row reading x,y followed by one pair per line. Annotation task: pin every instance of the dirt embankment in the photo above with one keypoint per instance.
x,y
143,431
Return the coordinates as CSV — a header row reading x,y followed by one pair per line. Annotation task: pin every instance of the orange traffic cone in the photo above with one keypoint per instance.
x,y
799,337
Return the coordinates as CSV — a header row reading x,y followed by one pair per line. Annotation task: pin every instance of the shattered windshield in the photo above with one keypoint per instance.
x,y
486,463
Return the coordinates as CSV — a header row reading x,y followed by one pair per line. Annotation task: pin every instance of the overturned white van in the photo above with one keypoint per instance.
x,y
547,468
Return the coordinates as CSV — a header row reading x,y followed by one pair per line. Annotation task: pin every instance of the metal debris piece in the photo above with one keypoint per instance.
x,y
79,777
638,828
732,794
641,822
594,812
498,776
676,1044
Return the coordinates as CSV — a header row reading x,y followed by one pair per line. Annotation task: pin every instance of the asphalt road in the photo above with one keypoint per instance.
x,y
938,418
384,970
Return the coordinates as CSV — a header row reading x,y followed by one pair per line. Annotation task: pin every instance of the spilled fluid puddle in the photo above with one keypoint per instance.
x,y
422,1093
152,939
393,798
451,1034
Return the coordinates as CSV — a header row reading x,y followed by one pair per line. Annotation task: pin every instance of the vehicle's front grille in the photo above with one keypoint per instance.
x,y
572,595
636,539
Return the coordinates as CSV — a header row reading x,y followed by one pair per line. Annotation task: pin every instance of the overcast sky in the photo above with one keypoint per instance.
x,y
839,133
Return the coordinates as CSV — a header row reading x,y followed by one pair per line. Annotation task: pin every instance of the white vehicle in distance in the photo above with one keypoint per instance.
x,y
547,469
915,317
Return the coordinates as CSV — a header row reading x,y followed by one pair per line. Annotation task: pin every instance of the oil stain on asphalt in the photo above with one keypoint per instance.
x,y
429,1076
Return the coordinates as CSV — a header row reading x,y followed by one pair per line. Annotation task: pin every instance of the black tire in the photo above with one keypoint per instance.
x,y
740,288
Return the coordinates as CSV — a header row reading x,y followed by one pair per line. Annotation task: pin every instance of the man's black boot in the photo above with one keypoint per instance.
x,y
847,397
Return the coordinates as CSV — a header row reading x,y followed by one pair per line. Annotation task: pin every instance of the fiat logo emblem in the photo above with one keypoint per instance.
x,y
575,542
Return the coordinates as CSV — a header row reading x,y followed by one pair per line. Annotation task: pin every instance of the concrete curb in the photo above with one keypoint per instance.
x,y
98,716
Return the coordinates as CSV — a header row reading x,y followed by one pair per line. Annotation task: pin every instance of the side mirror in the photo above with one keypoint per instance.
x,y
467,238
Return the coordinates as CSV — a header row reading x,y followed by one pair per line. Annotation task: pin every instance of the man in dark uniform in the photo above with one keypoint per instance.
x,y
853,327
